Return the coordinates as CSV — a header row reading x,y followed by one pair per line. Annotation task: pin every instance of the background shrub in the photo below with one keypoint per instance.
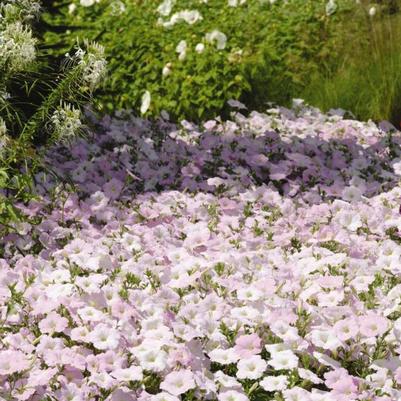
x,y
367,78
273,48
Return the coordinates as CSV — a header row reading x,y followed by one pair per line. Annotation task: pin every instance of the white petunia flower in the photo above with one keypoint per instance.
x,y
232,395
325,339
349,220
223,356
104,337
352,194
133,373
274,383
396,164
284,360
164,396
154,360
251,368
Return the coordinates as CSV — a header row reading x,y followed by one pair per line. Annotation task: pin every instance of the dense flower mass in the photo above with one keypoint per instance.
x,y
257,258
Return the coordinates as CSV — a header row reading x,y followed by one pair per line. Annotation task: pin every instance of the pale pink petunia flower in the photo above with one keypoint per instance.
x,y
13,361
232,395
247,345
252,367
372,325
346,329
53,323
274,383
178,382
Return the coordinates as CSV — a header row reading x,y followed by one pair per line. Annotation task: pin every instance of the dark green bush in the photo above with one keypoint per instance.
x,y
272,50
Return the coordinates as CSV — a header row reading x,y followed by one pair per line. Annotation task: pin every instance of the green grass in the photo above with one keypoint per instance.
x,y
368,80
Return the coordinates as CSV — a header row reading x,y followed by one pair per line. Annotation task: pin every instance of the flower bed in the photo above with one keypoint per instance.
x,y
255,259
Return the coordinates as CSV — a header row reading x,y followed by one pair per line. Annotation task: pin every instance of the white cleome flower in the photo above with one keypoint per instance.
x,y
3,128
4,139
66,122
93,63
17,46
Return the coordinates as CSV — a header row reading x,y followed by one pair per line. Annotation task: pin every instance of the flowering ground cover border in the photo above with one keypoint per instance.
x,y
255,259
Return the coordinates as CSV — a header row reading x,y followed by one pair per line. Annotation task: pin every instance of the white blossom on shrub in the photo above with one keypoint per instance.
x,y
66,122
165,7
3,136
219,37
17,46
145,102
93,62
188,16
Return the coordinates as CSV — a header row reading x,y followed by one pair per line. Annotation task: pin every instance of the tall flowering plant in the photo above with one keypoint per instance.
x,y
40,103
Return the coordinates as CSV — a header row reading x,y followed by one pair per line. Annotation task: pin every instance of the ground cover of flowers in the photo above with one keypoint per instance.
x,y
252,259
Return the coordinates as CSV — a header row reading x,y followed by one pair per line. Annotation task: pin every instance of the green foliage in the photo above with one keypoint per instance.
x,y
368,79
39,101
272,50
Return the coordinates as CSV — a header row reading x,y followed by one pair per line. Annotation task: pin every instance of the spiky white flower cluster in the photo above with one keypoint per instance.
x,y
93,62
17,46
3,129
19,10
4,95
3,137
66,122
